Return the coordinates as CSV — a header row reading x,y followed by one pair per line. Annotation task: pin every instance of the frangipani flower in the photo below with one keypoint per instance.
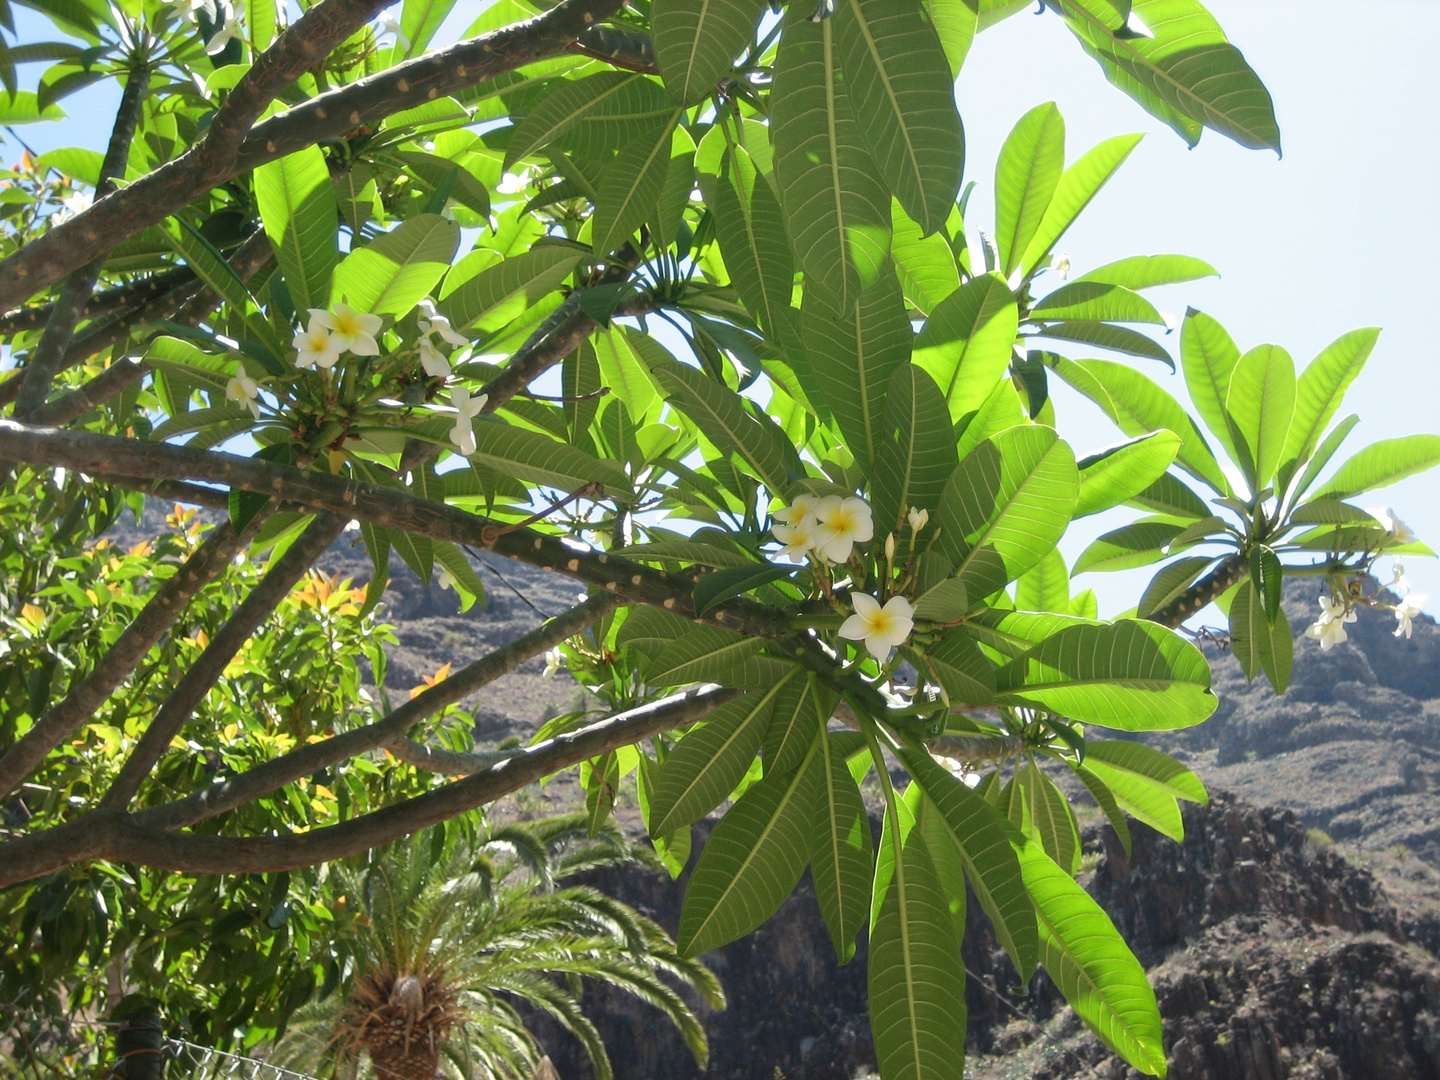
x,y
1400,533
514,183
315,347
75,204
1329,629
1406,612
918,517
1399,582
229,31
801,509
445,579
881,628
797,539
350,329
243,389
554,661
841,523
387,24
462,434
433,360
432,322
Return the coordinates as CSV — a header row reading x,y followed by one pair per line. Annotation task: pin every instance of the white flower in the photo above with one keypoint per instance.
x,y
554,661
890,547
462,435
446,580
841,523
315,347
350,329
1406,612
918,518
75,204
229,31
1061,265
798,539
387,24
432,322
514,183
801,510
243,389
1399,532
1399,583
1329,629
433,360
881,628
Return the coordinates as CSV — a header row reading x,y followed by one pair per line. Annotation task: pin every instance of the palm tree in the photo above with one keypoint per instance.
x,y
449,943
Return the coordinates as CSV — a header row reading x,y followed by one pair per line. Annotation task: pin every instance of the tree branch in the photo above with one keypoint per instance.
x,y
200,676
1231,570
227,151
121,837
120,298
618,45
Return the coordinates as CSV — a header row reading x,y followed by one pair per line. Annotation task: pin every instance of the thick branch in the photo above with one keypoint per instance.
x,y
222,155
200,676
222,795
618,45
120,298
1231,570
55,726
112,458
122,838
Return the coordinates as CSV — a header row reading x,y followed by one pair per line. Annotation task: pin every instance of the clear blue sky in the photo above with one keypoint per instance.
x,y
1343,232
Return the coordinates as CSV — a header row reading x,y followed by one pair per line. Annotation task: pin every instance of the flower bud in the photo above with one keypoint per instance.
x,y
918,518
890,548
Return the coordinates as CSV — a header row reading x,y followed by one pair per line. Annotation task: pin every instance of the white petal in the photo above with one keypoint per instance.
x,y
865,604
854,628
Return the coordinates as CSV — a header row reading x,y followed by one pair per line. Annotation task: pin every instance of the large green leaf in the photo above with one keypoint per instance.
x,y
917,452
1381,464
898,82
990,861
542,460
527,276
1258,642
719,412
853,351
1208,356
1134,676
1148,271
957,664
1261,404
967,342
916,977
704,654
841,849
1096,301
956,21
396,270
1183,72
1119,473
1107,336
709,761
23,107
1026,176
836,204
630,187
1137,544
696,41
419,19
752,861
1146,783
947,856
1078,185
1007,503
298,210
1170,583
606,110
211,267
803,707
1091,964
925,264
750,228
1322,387
1139,406
1051,821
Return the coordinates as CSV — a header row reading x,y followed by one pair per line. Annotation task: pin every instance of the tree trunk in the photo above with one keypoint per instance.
x,y
139,1048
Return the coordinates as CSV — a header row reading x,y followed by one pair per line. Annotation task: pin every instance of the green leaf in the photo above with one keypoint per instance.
x,y
1322,387
673,849
990,861
453,559
686,551
1105,799
916,977
1080,183
802,708
1170,583
1095,301
1381,464
419,19
1103,335
961,669
1026,176
23,107
1330,512
1134,676
837,207
705,765
697,41
1259,642
945,601
1051,820
1138,544
417,551
925,264
1045,586
1139,406
1092,966
442,174
967,342
528,276
540,459
1119,473
841,849
1326,450
1169,495
212,268
1146,783
722,585
719,412
1266,575
298,210
752,861
1148,271
593,115
1185,74
630,187
917,452
1208,356
956,22
396,270
949,860
1008,503
1261,404
853,351
704,654
898,81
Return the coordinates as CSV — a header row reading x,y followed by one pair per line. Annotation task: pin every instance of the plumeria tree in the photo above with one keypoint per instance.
x,y
678,299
